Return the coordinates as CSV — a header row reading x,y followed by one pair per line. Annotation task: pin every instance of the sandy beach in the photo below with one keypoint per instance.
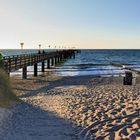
x,y
89,108
70,70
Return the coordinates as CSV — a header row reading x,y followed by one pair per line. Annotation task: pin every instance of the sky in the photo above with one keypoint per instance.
x,y
84,24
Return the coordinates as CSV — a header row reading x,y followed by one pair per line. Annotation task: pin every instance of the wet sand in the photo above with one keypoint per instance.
x,y
91,108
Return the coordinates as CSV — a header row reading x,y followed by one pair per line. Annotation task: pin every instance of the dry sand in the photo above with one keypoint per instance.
x,y
99,108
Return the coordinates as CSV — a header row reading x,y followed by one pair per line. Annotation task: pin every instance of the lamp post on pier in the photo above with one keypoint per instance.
x,y
39,46
21,45
39,52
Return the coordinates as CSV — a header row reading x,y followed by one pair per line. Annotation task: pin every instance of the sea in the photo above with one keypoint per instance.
x,y
87,62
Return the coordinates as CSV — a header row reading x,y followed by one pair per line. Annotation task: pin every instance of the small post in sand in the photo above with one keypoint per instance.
x,y
130,78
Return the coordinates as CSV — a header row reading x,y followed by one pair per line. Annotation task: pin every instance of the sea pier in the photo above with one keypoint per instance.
x,y
16,62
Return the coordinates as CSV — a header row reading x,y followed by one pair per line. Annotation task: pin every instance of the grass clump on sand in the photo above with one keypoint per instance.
x,y
7,96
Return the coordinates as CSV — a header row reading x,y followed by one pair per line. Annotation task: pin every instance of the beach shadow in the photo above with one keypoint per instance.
x,y
74,81
32,123
63,82
88,81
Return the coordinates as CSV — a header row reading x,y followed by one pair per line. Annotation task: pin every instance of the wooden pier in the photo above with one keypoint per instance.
x,y
16,62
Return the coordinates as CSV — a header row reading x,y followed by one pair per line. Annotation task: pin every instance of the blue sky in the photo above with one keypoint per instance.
x,y
82,23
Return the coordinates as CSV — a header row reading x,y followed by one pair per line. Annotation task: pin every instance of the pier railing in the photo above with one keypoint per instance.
x,y
15,62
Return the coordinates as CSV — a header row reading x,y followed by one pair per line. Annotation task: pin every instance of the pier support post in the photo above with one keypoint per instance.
x,y
35,69
52,61
74,55
61,57
43,66
65,55
70,55
24,73
48,63
58,59
55,60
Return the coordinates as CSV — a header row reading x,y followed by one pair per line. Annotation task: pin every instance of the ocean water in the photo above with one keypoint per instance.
x,y
98,63
89,62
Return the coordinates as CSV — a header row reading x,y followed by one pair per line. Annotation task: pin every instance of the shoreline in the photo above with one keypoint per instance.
x,y
99,107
